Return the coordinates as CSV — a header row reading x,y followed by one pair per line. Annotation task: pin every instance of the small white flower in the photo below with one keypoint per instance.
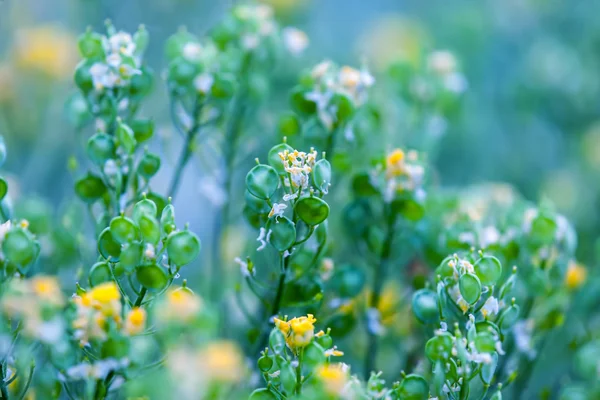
x,y
4,228
204,82
491,307
122,43
149,251
277,210
374,322
246,273
250,42
192,51
456,83
290,196
261,238
294,40
441,62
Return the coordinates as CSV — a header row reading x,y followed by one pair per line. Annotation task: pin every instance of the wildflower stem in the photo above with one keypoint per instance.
x,y
28,383
285,261
379,279
187,150
299,372
3,389
140,297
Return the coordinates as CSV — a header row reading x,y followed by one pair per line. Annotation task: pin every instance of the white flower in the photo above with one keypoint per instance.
x,y
441,62
250,41
192,51
4,228
149,250
366,79
277,210
204,82
246,273
122,43
456,83
491,307
262,238
374,322
488,236
321,69
290,196
294,40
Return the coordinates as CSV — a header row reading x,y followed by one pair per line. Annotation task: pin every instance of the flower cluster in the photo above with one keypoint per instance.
x,y
298,331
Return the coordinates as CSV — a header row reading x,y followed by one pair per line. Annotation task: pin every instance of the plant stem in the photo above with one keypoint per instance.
x,y
186,151
3,389
140,297
379,280
299,373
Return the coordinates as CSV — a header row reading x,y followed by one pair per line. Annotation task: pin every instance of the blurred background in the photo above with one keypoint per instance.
x,y
530,115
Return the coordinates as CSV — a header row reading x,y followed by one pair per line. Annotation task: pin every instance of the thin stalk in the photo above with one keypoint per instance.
x,y
140,297
28,383
379,280
3,389
299,373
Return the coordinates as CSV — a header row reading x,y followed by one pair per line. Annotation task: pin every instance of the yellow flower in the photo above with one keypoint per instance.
x,y
47,289
298,331
105,293
575,276
47,49
136,321
179,305
395,162
223,362
333,378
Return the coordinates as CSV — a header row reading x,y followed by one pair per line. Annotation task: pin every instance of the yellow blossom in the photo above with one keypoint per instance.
x,y
298,331
179,305
136,321
395,162
223,362
47,49
47,289
105,293
575,276
333,378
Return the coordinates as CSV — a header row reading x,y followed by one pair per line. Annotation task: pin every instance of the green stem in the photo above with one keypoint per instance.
x,y
299,373
28,383
379,280
3,389
140,297
277,300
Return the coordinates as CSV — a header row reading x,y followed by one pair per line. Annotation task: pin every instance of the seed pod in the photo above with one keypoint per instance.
x,y
182,247
99,273
100,148
83,77
470,288
167,219
18,246
289,125
143,207
362,185
276,341
508,317
282,233
321,175
152,276
413,387
489,369
444,269
3,188
348,281
586,360
300,103
274,159
143,129
488,269
314,355
90,45
176,43
126,137
123,229
131,256
149,165
182,72
149,228
141,84
262,394
345,108
312,210
262,181
288,377
325,341
223,87
439,347
108,246
90,188
141,38
258,205
425,306
265,363
485,342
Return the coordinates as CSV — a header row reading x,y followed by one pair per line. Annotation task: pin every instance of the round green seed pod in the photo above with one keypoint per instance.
x,y
131,256
312,210
108,246
265,363
282,233
167,219
99,273
413,387
470,288
126,137
262,181
485,342
488,269
3,188
149,165
90,188
439,348
262,394
90,45
83,77
123,229
321,175
18,246
183,247
100,148
274,159
143,129
276,341
314,355
152,276
508,317
143,207
149,228
425,306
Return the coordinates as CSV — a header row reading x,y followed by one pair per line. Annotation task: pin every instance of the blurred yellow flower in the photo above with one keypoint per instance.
x,y
333,377
222,361
286,7
392,39
105,293
47,289
395,163
575,276
48,49
136,321
179,305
